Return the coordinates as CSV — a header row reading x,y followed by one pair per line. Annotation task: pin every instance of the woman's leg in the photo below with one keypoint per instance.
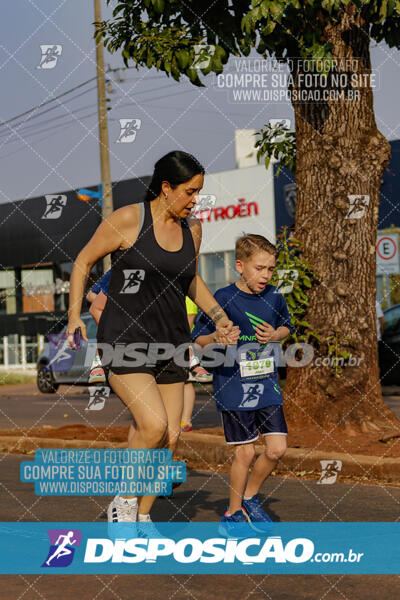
x,y
141,395
172,396
188,403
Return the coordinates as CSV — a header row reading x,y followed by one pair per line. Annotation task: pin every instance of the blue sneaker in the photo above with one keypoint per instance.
x,y
259,519
236,525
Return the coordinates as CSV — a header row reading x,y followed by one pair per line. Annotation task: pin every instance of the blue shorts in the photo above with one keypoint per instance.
x,y
242,426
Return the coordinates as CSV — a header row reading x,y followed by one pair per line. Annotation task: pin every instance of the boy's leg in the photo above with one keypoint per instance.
x,y
274,448
241,431
244,454
272,426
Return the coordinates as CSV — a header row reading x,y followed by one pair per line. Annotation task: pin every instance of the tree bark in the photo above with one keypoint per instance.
x,y
340,152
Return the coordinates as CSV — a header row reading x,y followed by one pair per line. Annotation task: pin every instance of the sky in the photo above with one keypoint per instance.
x,y
56,148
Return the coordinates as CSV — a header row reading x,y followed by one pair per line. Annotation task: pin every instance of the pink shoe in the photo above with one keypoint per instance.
x,y
187,427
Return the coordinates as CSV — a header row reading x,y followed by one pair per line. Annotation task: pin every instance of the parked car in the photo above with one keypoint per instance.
x,y
389,348
59,364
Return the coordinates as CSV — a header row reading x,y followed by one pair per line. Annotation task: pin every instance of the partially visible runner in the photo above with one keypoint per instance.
x,y
248,393
97,296
197,372
154,248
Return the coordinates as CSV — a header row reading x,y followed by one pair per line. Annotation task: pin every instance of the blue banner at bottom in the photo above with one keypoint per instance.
x,y
199,548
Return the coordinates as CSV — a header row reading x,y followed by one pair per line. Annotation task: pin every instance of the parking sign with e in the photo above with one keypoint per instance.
x,y
387,253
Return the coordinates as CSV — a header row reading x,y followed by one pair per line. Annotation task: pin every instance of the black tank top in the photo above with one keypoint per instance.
x,y
147,289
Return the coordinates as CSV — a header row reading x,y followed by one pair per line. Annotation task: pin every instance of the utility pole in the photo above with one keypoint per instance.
x,y
107,207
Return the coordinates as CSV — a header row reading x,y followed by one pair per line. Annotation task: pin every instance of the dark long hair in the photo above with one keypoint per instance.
x,y
175,167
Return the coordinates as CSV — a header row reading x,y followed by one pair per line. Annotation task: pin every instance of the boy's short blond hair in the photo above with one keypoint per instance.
x,y
250,243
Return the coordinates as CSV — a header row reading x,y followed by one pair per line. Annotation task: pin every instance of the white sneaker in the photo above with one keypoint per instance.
x,y
97,374
122,510
146,528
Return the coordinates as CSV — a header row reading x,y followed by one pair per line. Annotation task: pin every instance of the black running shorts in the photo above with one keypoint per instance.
x,y
242,426
165,371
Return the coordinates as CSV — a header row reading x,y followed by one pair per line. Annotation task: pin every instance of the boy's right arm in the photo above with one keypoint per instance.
x,y
215,338
203,340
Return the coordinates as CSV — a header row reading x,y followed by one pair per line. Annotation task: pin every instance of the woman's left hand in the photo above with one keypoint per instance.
x,y
265,333
223,327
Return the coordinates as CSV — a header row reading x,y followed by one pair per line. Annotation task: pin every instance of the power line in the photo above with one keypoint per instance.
x,y
16,131
45,137
46,102
34,133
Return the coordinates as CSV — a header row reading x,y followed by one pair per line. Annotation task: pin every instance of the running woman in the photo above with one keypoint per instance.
x,y
154,248
248,393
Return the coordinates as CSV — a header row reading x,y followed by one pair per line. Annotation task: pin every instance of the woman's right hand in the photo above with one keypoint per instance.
x,y
73,324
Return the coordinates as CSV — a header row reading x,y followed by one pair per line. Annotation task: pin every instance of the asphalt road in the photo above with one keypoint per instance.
x,y
25,406
203,498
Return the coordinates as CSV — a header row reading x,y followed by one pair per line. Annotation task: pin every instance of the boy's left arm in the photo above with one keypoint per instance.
x,y
266,333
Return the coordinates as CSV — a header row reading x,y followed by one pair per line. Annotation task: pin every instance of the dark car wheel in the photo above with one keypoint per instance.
x,y
45,381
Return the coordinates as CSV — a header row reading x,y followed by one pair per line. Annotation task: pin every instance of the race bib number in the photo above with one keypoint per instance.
x,y
256,369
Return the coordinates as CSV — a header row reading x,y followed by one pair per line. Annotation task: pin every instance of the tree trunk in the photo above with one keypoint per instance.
x,y
340,152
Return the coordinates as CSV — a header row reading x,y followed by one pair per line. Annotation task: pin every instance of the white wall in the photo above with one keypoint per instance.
x,y
255,184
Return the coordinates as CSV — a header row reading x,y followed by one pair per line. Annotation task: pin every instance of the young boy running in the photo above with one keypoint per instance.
x,y
248,393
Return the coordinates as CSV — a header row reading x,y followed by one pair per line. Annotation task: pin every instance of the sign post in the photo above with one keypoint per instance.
x,y
387,259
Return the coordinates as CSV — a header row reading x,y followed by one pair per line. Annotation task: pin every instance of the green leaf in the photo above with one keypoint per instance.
x,y
158,5
304,324
183,58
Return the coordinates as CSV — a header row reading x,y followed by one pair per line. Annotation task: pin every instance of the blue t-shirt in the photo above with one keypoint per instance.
x,y
102,284
232,391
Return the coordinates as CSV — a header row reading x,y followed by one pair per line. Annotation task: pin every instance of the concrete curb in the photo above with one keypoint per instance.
x,y
208,450
27,445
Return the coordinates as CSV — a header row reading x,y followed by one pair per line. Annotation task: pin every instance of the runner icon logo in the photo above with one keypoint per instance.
x,y
133,279
129,128
251,394
54,206
357,206
61,356
98,395
203,54
50,55
61,551
330,471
